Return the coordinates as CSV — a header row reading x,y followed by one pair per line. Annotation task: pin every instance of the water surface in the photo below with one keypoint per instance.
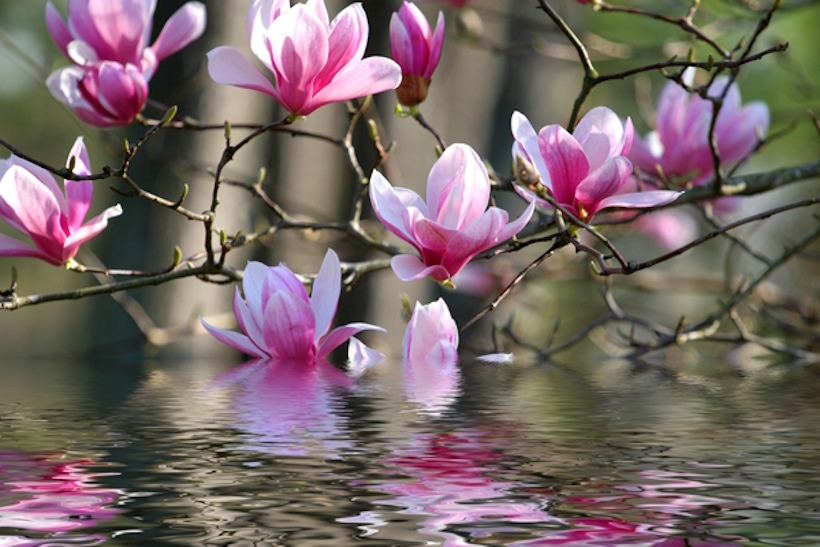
x,y
605,453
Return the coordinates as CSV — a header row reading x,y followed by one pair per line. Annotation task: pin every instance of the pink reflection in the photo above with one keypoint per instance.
x,y
662,503
46,496
450,477
456,483
288,406
433,386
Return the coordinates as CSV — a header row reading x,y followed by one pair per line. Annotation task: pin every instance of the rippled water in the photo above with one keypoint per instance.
x,y
609,453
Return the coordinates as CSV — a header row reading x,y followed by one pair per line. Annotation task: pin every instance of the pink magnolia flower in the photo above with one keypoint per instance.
x,y
314,61
278,318
680,145
583,171
119,30
32,203
417,51
108,42
431,335
103,94
453,226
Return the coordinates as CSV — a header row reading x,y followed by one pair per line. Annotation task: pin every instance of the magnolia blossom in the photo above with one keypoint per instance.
x,y
431,335
679,147
584,171
108,42
278,318
32,203
417,51
431,377
313,61
102,94
453,226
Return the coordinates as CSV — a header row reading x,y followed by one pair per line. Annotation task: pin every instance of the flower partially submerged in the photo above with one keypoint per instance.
x,y
278,318
453,226
431,335
314,61
679,147
32,203
107,40
584,171
416,50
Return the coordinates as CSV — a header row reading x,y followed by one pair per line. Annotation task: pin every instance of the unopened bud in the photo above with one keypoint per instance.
x,y
469,24
525,172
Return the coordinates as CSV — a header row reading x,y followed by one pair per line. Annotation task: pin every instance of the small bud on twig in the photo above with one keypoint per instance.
x,y
168,116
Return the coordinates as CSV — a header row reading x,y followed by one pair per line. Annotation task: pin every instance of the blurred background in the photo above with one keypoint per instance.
x,y
499,56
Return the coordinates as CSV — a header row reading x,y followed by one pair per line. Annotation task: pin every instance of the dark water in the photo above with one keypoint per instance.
x,y
608,453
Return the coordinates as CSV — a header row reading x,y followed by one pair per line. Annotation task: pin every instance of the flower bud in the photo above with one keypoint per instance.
x,y
416,49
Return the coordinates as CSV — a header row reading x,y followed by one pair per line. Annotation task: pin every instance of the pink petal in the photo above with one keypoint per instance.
x,y
526,144
672,107
254,280
64,86
410,268
642,154
12,247
78,192
565,160
233,339
324,296
458,187
603,121
517,225
281,278
359,79
59,31
740,134
340,335
289,326
429,238
476,237
401,45
435,47
118,30
185,25
603,182
89,230
265,11
122,90
640,200
390,203
346,43
298,44
32,206
361,357
247,321
431,334
228,66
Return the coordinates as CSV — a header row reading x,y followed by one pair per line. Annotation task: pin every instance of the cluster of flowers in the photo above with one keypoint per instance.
x,y
315,61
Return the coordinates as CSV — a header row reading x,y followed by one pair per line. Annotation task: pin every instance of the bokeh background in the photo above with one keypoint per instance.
x,y
499,56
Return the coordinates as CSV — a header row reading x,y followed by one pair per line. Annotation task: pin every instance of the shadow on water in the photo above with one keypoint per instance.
x,y
608,453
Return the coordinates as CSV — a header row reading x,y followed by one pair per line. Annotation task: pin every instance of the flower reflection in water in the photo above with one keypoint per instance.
x,y
433,386
287,406
456,482
41,495
450,479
